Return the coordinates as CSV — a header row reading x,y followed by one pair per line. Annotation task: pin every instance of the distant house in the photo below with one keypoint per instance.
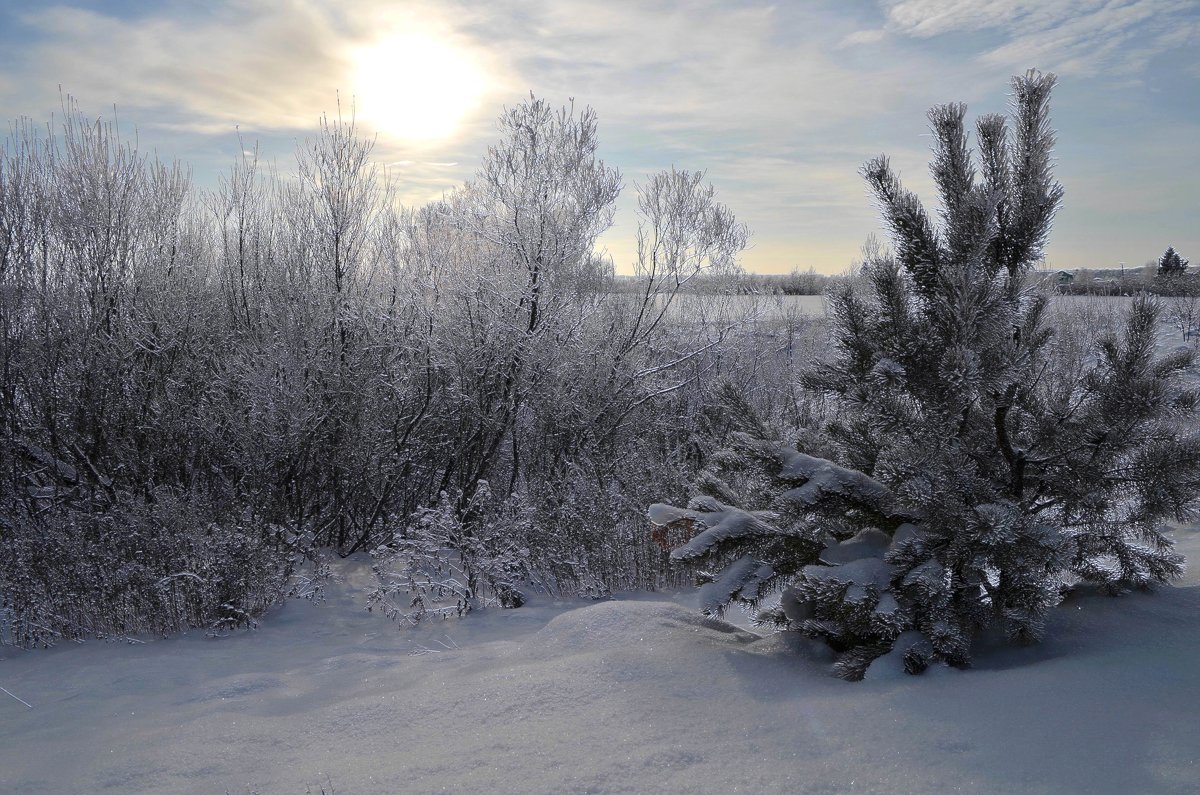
x,y
1064,277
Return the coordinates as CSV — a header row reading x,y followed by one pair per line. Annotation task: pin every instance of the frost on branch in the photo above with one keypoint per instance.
x,y
446,561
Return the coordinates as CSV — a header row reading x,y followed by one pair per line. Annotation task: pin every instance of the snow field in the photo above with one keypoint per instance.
x,y
632,695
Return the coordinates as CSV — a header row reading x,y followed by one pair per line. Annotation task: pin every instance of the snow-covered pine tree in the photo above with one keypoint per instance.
x,y
969,472
1171,263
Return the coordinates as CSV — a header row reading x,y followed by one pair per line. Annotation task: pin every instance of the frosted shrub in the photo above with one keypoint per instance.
x,y
968,472
136,568
314,366
445,561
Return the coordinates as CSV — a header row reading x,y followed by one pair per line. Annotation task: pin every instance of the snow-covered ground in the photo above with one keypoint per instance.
x,y
632,695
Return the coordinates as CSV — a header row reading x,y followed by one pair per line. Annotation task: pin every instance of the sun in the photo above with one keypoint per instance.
x,y
415,88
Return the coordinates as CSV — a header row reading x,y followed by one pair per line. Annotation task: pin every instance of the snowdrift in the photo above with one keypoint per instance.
x,y
619,696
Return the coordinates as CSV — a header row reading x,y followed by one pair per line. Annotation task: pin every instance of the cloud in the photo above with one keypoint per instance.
x,y
926,18
687,68
754,95
270,65
863,37
673,79
258,69
779,102
1116,38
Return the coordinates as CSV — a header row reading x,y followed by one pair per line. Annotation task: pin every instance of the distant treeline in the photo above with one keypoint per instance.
x,y
1084,281
1120,281
797,282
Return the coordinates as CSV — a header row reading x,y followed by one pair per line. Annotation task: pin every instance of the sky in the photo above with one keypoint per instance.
x,y
780,104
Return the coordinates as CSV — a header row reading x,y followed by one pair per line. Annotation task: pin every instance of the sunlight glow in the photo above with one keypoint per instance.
x,y
414,87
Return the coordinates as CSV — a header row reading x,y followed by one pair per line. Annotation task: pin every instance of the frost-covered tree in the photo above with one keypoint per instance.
x,y
557,390
118,513
970,470
521,239
201,391
1170,263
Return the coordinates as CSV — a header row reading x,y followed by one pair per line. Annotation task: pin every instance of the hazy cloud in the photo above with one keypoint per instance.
x,y
274,64
779,103
1072,37
241,65
863,37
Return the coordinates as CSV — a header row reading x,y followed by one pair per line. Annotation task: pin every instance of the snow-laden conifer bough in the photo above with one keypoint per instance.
x,y
970,472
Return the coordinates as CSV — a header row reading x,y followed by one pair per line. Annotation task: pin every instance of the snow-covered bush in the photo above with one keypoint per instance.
x,y
136,567
445,561
1184,314
492,551
303,353
968,470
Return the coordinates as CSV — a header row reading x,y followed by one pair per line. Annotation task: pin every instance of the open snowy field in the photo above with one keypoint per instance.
x,y
631,695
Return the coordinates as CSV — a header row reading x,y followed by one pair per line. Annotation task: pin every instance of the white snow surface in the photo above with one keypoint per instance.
x,y
633,695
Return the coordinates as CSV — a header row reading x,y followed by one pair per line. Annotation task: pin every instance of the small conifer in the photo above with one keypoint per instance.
x,y
968,477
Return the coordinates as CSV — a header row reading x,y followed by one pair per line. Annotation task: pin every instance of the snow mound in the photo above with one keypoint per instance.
x,y
618,624
614,697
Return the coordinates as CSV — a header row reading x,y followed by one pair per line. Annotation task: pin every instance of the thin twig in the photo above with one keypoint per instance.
x,y
18,698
